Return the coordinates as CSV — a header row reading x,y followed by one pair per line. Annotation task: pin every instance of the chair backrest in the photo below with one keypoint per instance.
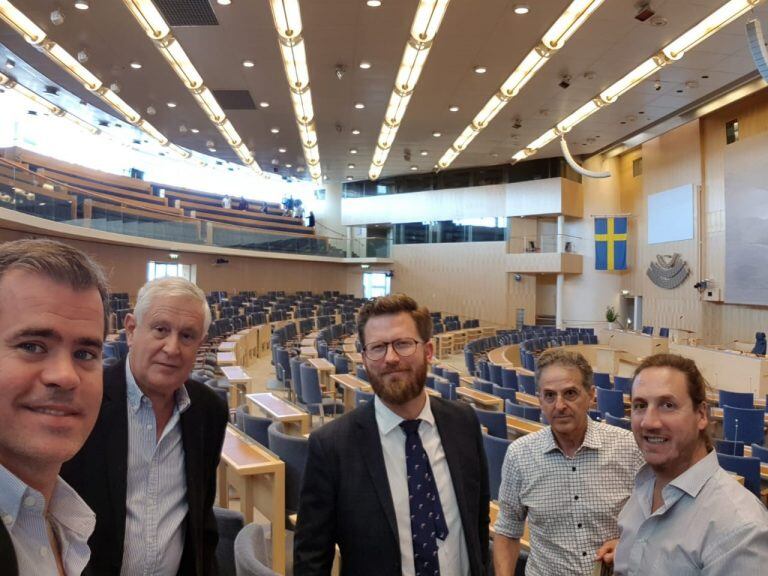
x,y
603,380
429,381
483,371
736,399
469,361
341,364
526,383
760,452
664,332
452,376
620,422
362,397
447,389
509,378
228,523
495,451
748,468
253,552
729,447
506,393
296,376
760,344
256,427
361,373
610,402
293,451
622,383
483,385
310,385
744,424
495,422
648,330
437,369
496,376
520,411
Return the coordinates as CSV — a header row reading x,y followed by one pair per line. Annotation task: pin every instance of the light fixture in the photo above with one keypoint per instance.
x,y
171,104
173,256
281,150
10,64
82,4
353,150
521,9
57,17
569,21
359,105
373,3
289,165
151,110
355,131
31,32
224,2
349,177
263,104
423,153
135,65
71,65
351,166
194,130
248,64
414,168
480,69
82,56
365,65
275,130
453,108
437,134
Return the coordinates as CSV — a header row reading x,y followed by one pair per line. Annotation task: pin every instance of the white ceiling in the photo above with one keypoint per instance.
x,y
344,32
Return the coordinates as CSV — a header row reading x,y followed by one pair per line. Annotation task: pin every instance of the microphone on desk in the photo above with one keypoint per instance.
x,y
735,434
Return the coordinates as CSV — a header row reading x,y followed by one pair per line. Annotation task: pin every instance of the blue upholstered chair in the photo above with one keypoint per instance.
x,y
610,402
452,376
228,524
495,451
293,451
496,376
736,399
648,330
361,397
520,411
495,422
483,385
603,380
253,551
526,384
760,452
361,373
748,468
446,389
312,394
744,424
620,422
506,393
664,332
729,447
760,344
509,378
623,384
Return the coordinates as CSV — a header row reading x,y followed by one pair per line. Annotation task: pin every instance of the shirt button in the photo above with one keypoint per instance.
x,y
573,468
43,551
578,525
575,497
29,501
7,519
583,553
149,426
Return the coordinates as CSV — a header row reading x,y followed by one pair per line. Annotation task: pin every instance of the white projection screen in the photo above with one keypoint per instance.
x,y
670,215
746,222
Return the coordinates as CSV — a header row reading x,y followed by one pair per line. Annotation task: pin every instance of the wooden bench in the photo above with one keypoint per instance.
x,y
282,411
481,399
258,477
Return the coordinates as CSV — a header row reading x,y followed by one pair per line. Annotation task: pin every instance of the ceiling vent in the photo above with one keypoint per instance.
x,y
234,99
187,12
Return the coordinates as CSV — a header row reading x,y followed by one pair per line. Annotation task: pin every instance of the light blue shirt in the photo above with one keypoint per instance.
x,y
22,510
156,496
709,524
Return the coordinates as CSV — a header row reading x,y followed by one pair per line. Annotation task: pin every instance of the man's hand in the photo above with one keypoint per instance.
x,y
607,551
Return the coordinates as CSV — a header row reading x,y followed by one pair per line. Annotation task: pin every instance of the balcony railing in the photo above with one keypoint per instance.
x,y
545,243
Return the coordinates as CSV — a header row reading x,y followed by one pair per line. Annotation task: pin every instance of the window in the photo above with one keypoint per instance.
x,y
731,131
171,269
376,284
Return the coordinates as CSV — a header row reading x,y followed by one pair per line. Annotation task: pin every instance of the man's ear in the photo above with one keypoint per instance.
x,y
429,350
130,327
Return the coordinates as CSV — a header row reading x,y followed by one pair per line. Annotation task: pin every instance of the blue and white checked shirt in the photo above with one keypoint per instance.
x,y
22,510
156,502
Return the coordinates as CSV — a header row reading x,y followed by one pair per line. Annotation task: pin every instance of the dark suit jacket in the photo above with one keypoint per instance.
x,y
99,474
7,553
346,500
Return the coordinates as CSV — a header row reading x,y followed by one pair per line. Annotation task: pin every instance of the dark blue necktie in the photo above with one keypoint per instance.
x,y
427,520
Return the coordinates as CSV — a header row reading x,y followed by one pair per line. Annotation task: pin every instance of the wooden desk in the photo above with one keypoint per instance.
x,y
529,399
505,355
607,359
226,359
240,381
281,410
308,352
227,346
324,370
305,342
349,384
355,358
728,369
258,477
483,400
350,345
636,344
520,426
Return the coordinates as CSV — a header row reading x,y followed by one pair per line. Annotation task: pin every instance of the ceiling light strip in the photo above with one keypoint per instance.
x,y
673,51
426,23
553,39
35,35
157,29
286,15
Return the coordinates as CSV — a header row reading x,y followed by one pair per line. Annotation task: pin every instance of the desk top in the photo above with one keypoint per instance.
x,y
235,374
227,346
321,364
245,455
355,357
275,406
522,425
351,381
308,351
228,357
529,399
479,396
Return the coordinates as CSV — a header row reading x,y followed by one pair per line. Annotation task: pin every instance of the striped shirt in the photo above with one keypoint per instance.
x,y
22,510
572,504
156,498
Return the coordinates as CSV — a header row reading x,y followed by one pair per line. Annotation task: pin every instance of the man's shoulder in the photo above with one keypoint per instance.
x,y
730,505
200,395
345,424
530,444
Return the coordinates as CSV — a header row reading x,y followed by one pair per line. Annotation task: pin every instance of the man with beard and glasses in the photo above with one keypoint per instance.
x,y
401,483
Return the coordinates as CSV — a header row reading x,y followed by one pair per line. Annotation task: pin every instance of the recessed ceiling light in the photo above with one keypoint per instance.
x,y
423,153
151,110
453,108
289,165
521,9
248,63
437,134
365,65
353,150
355,131
349,177
171,104
194,130
359,105
136,65
281,150
373,3
414,168
351,166
275,130
264,104
480,69
224,2
81,4
212,150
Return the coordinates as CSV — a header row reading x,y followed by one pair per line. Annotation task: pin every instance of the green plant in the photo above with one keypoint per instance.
x,y
610,314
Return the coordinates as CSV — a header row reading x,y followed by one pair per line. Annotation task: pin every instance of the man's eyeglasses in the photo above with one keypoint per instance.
x,y
402,347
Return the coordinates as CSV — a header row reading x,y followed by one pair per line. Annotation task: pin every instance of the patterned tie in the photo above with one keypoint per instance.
x,y
427,521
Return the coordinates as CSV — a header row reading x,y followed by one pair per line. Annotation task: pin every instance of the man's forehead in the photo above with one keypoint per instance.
x,y
558,376
390,323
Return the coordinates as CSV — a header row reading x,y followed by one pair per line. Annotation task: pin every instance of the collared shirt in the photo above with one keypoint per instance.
x,y
22,510
451,553
156,497
571,503
708,524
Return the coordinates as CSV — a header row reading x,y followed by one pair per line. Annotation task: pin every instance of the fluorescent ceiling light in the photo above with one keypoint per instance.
x,y
71,65
82,4
521,9
149,18
287,17
31,32
365,65
569,21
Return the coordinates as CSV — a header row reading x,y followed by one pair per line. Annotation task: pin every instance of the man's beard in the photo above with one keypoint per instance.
x,y
401,387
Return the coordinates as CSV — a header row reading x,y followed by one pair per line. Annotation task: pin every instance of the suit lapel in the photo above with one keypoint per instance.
x,y
115,420
192,434
370,443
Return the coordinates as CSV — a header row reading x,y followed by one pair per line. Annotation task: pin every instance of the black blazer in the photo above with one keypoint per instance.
x,y
98,472
346,500
7,553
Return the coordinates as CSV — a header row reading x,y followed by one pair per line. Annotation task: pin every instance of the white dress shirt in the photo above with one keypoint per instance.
x,y
452,553
22,510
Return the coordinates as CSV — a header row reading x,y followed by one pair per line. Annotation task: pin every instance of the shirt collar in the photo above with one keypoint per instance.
x,y
692,480
387,420
592,438
135,394
12,491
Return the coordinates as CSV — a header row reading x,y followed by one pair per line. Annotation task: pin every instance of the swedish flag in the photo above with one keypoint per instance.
x,y
611,243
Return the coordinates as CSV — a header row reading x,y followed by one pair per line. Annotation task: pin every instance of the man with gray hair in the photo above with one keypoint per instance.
x,y
52,325
569,480
149,468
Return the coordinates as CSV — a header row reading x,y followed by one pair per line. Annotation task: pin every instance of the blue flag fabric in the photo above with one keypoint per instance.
x,y
611,243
